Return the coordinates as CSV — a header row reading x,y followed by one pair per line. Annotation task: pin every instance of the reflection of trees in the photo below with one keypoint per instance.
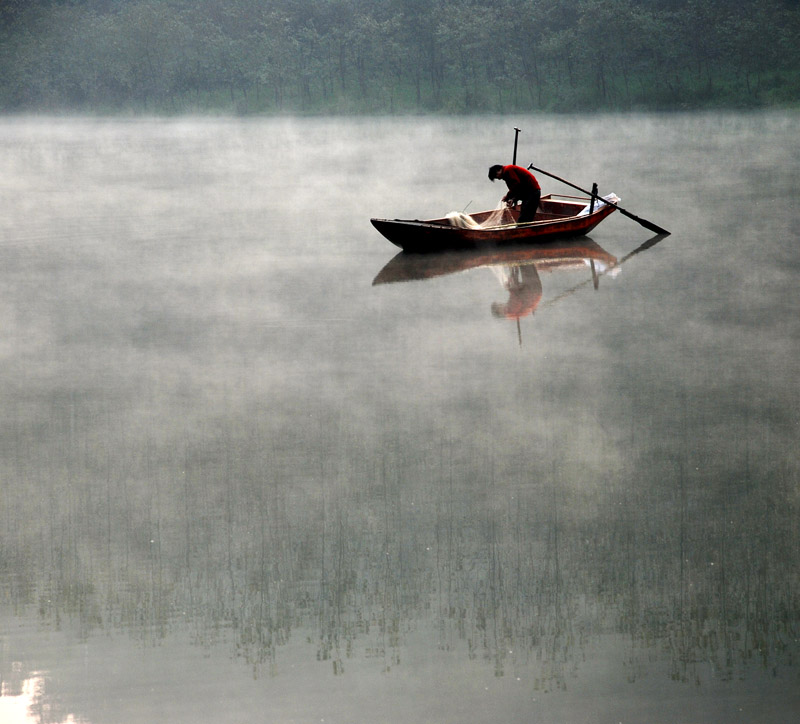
x,y
234,539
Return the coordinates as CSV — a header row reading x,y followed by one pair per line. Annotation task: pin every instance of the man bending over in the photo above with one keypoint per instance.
x,y
522,186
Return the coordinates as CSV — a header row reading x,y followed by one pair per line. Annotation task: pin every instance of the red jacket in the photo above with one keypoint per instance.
x,y
521,182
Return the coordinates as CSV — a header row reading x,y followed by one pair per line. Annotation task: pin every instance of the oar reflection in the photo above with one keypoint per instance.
x,y
649,244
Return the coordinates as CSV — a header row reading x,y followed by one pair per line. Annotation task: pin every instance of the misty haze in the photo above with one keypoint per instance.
x,y
255,468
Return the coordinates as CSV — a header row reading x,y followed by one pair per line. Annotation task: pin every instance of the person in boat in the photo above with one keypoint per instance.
x,y
522,186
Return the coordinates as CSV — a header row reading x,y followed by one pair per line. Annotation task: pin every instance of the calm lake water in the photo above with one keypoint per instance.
x,y
241,482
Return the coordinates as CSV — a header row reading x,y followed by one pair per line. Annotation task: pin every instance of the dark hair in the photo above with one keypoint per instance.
x,y
494,172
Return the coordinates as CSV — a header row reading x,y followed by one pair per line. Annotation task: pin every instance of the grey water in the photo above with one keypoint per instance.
x,y
252,472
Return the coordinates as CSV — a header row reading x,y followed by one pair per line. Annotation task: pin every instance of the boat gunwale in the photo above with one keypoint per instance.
x,y
443,225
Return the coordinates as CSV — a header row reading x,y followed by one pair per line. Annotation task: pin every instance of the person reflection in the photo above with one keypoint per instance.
x,y
524,291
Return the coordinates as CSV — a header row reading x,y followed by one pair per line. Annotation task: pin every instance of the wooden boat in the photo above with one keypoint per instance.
x,y
557,217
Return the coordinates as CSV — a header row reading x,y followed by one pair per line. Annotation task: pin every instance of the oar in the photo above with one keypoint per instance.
x,y
644,222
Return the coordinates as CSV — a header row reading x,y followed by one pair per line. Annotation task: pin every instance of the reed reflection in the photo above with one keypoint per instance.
x,y
691,572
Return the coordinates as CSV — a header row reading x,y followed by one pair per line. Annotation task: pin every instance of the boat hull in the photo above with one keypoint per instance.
x,y
438,235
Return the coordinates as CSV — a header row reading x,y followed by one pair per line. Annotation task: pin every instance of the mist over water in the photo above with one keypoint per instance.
x,y
243,483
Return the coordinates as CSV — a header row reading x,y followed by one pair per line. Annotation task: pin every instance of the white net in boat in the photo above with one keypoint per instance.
x,y
462,220
500,216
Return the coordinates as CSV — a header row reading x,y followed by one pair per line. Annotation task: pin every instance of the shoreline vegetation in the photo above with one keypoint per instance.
x,y
352,57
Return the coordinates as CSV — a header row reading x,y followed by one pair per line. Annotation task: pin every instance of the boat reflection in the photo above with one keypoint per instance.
x,y
518,269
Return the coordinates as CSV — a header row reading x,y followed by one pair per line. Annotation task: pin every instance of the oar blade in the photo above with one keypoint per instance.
x,y
655,228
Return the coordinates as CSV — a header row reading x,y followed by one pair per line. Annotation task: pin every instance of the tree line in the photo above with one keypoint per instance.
x,y
396,56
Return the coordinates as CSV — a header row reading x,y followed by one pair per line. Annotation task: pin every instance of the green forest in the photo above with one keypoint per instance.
x,y
395,56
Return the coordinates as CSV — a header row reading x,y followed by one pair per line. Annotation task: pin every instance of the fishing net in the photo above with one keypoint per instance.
x,y
500,216
462,220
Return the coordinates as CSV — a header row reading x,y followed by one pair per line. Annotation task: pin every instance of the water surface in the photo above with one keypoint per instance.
x,y
251,475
